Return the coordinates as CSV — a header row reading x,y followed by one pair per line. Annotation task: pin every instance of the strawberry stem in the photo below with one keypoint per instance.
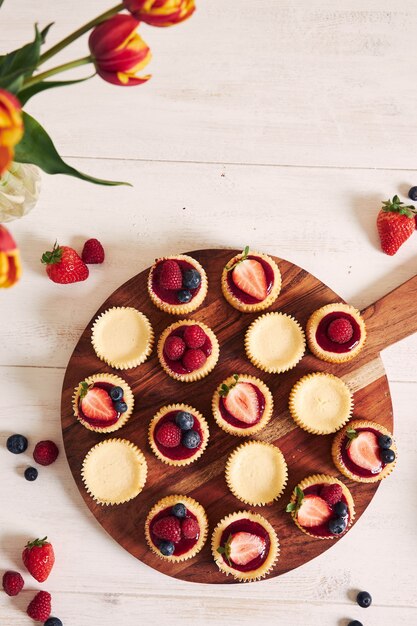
x,y
52,257
37,543
242,258
396,206
224,389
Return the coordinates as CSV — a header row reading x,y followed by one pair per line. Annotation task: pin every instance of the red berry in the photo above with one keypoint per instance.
x,y
63,265
40,607
395,223
170,276
45,452
93,251
12,583
193,359
331,493
194,336
340,330
190,528
167,528
169,435
174,348
39,558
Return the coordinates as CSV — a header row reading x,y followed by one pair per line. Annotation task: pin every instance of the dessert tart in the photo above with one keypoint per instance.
x,y
336,333
275,342
245,545
256,473
364,451
322,507
176,528
114,471
188,350
103,402
321,403
177,284
251,281
242,405
122,337
178,434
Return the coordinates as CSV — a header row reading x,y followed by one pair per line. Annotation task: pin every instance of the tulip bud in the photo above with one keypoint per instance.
x,y
11,127
160,12
118,51
10,267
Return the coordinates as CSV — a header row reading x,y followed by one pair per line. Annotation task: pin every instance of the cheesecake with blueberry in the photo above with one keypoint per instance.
x,y
176,528
177,284
322,507
178,434
251,281
364,451
336,333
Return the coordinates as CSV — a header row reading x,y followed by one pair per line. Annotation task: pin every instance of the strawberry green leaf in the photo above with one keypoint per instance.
x,y
296,501
242,258
351,434
396,206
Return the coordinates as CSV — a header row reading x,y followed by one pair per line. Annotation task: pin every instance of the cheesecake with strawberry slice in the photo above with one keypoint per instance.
x,y
364,451
251,281
245,545
336,333
242,405
103,402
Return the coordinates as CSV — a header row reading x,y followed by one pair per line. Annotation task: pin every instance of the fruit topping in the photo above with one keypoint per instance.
x,y
341,509
45,452
193,359
116,393
63,265
388,456
337,525
190,528
167,548
167,528
40,607
120,406
340,330
412,194
39,558
184,295
174,347
242,402
194,336
245,547
169,435
331,493
31,474
249,277
384,442
191,279
314,511
191,439
170,276
363,450
364,599
395,223
184,420
17,444
93,252
179,510
96,404
12,583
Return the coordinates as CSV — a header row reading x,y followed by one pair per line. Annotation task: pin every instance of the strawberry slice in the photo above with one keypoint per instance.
x,y
364,451
314,511
242,402
249,276
244,547
97,405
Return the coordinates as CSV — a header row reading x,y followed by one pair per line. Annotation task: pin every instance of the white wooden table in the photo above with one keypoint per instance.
x,y
276,124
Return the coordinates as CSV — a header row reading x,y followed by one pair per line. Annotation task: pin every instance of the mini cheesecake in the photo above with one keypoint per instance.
x,y
336,333
176,528
364,451
251,281
177,284
242,405
178,434
188,350
245,545
103,402
322,507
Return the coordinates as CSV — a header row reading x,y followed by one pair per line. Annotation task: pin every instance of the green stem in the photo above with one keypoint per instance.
x,y
80,31
56,70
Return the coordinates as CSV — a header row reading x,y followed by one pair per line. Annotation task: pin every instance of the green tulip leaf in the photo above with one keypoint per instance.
x,y
28,92
37,147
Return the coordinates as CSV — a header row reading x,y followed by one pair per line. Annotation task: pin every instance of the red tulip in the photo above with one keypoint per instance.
x,y
160,12
10,267
118,51
11,127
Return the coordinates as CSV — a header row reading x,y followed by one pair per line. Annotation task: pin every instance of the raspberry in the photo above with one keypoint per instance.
x,y
45,452
193,359
190,528
331,493
169,435
174,348
340,330
40,607
194,336
12,583
170,276
167,528
93,252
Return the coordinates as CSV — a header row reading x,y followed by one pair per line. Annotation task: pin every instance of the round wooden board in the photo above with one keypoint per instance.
x,y
204,480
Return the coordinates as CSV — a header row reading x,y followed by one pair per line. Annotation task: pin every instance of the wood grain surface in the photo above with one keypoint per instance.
x,y
204,480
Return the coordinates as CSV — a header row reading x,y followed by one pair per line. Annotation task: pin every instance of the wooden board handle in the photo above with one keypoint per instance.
x,y
392,317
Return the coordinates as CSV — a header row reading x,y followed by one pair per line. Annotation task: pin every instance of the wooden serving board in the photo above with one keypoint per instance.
x,y
388,320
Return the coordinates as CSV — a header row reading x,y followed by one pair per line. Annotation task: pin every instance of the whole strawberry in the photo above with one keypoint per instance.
x,y
39,558
63,265
93,252
395,223
40,607
12,583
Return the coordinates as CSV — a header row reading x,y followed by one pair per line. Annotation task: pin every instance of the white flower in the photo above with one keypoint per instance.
x,y
19,191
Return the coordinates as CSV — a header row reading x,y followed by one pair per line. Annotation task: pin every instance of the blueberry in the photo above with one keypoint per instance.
x,y
116,393
191,439
341,509
191,279
183,295
31,473
184,420
384,442
17,444
364,599
53,621
355,623
167,548
412,194
337,525
388,456
121,407
179,510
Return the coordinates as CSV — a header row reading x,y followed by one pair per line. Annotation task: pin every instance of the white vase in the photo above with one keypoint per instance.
x,y
19,191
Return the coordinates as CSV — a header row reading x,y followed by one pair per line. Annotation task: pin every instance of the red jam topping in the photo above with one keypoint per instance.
x,y
183,545
169,295
323,339
247,526
245,297
350,465
322,530
177,366
233,421
94,422
180,452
